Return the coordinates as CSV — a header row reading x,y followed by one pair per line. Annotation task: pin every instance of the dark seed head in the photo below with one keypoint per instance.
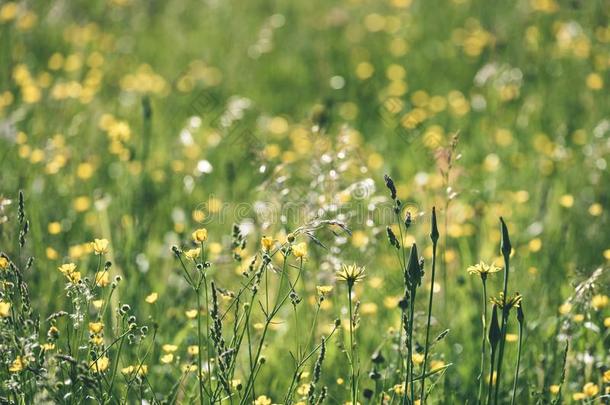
x,y
505,245
389,183
434,235
494,328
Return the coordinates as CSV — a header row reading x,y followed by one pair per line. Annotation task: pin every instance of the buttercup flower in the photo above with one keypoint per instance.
x,y
200,235
96,327
100,365
267,243
599,302
300,250
69,270
17,365
590,389
100,246
141,369
151,298
103,279
262,400
5,309
3,263
192,253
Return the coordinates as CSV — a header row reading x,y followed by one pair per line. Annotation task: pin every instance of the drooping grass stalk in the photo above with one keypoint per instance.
x,y
506,248
494,337
483,345
303,361
249,387
434,235
521,319
116,364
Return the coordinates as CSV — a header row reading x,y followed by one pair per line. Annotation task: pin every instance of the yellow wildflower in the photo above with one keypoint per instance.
x,y
152,298
96,327
267,243
5,309
100,246
192,253
483,269
590,389
418,358
300,250
169,348
17,365
599,301
262,400
102,279
351,274
200,235
324,289
100,365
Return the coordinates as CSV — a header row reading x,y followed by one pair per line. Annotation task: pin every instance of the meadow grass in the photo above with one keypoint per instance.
x,y
194,206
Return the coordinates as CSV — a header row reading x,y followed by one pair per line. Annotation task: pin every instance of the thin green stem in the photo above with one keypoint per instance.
x,y
483,346
512,401
505,313
410,359
351,345
426,348
199,354
491,376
